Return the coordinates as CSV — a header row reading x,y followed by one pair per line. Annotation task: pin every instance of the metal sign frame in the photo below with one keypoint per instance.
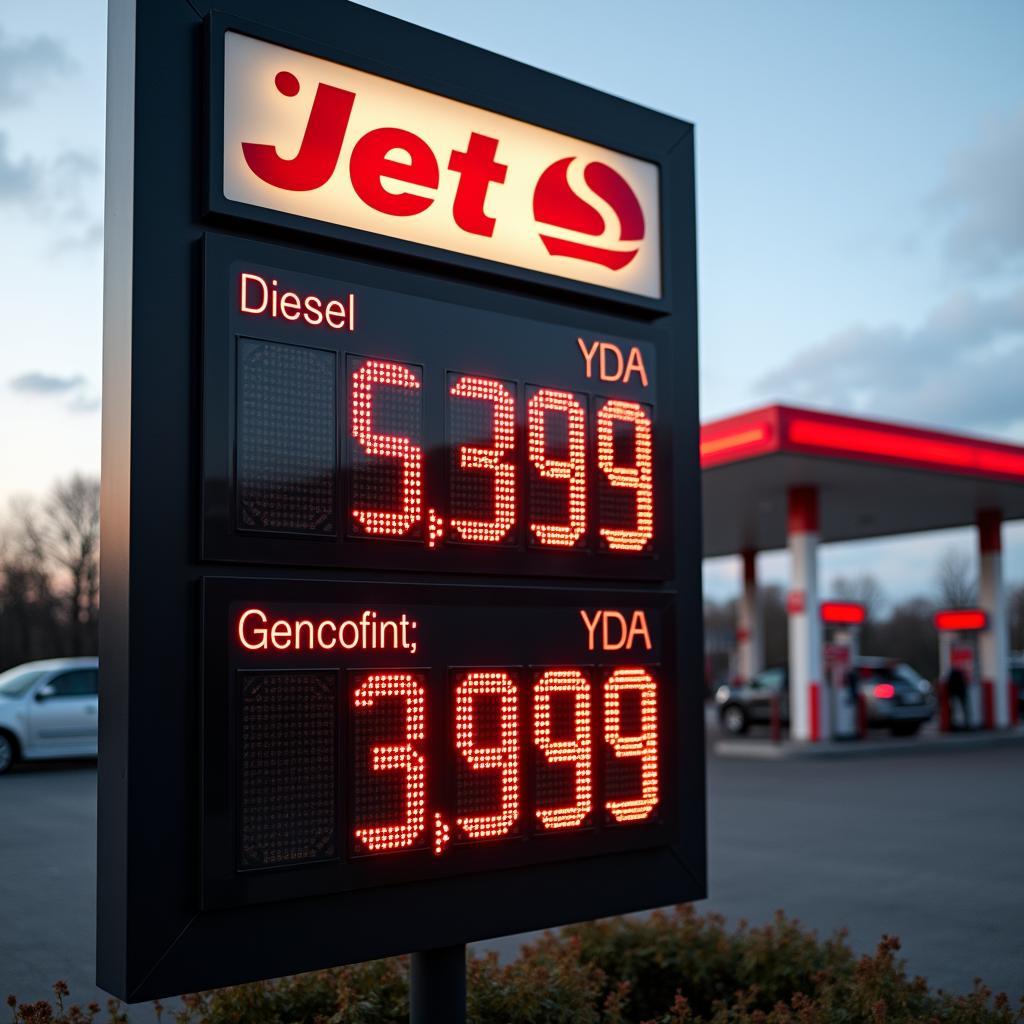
x,y
156,934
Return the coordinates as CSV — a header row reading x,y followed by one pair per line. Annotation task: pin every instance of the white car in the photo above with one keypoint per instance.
x,y
49,709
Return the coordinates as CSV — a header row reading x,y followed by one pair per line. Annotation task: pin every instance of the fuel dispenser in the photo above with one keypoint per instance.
x,y
841,624
959,632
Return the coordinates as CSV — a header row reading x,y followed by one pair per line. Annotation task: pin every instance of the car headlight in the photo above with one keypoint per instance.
x,y
722,694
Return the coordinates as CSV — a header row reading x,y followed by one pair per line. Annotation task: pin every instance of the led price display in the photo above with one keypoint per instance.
x,y
418,730
389,736
377,427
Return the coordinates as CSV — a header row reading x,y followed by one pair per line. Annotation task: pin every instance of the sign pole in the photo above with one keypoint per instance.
x,y
437,986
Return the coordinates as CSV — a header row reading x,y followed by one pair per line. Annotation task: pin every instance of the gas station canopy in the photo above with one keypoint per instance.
x,y
873,478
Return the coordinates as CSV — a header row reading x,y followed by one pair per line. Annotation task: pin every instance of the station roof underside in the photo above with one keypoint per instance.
x,y
874,479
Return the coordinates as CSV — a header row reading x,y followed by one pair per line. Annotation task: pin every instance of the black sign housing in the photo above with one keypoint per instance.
x,y
233,766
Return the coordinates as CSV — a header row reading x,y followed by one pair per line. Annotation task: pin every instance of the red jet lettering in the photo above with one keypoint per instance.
x,y
476,168
371,163
317,157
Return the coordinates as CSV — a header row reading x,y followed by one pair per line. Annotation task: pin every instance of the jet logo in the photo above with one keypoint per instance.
x,y
333,144
556,202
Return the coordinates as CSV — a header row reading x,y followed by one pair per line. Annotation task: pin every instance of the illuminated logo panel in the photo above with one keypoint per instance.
x,y
324,141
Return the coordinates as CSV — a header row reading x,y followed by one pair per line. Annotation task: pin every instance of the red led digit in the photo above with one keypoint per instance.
x,y
477,688
493,459
641,744
638,477
572,469
397,757
372,375
565,685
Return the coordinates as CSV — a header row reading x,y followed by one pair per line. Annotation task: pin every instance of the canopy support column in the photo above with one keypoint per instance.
x,y
994,642
808,714
750,629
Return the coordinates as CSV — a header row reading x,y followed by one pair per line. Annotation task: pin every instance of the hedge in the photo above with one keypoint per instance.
x,y
670,967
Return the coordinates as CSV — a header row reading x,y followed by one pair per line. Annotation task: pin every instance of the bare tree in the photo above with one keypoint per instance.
x,y
955,580
65,536
908,634
864,589
719,640
29,609
775,622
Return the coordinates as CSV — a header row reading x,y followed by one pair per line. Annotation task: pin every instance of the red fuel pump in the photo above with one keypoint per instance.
x,y
964,701
842,621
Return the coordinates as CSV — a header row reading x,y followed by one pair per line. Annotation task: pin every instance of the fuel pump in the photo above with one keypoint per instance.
x,y
842,621
959,633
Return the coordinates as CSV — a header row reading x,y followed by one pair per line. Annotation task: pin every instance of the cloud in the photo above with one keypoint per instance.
x,y
28,64
84,404
76,164
982,195
90,237
36,383
56,192
19,179
962,366
45,384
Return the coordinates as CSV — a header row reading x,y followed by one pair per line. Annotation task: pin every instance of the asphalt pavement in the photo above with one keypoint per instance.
x,y
927,847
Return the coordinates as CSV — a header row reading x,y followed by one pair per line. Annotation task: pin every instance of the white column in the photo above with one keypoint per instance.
x,y
994,642
749,629
805,638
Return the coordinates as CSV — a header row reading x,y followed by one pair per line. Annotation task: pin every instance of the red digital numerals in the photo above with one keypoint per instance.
x,y
387,457
390,798
627,524
482,424
586,746
563,452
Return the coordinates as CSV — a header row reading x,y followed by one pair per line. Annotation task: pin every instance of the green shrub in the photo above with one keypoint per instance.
x,y
676,967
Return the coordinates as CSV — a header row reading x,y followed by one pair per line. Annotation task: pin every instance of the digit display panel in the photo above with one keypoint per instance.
x,y
372,422
380,733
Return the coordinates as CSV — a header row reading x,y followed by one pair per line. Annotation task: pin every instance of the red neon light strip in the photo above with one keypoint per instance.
x,y
900,446
969,620
744,437
738,444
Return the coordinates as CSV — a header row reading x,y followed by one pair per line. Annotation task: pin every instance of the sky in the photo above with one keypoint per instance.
x,y
860,213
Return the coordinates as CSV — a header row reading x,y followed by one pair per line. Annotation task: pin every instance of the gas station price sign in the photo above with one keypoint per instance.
x,y
401,643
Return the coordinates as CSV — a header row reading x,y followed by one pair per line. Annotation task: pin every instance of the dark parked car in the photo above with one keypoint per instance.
x,y
895,697
1017,675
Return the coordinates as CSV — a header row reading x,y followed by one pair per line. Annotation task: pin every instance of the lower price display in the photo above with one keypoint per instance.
x,y
494,749
420,732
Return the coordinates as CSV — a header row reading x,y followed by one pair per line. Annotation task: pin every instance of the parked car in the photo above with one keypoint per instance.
x,y
49,709
901,669
1017,675
895,697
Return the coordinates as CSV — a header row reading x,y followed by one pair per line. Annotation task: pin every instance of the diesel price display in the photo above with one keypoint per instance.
x,y
374,427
